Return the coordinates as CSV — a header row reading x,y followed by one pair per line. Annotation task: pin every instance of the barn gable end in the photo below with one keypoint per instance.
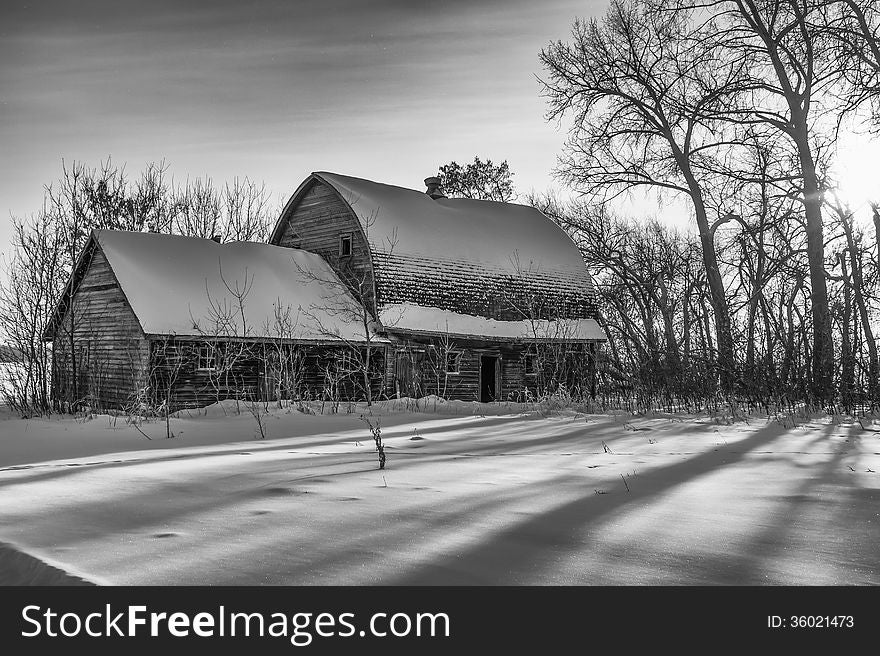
x,y
315,220
111,351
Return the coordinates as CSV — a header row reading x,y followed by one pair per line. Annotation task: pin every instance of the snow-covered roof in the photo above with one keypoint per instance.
x,y
415,318
503,236
188,287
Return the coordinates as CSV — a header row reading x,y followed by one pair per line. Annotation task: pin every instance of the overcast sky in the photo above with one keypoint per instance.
x,y
275,89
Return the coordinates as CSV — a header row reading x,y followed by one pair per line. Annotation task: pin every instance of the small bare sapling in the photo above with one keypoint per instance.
x,y
376,430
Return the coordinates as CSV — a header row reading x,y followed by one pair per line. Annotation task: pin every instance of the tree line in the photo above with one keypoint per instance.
x,y
735,106
46,245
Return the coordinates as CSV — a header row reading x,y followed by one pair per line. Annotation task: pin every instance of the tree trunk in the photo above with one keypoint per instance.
x,y
717,297
876,214
858,284
755,301
770,377
847,366
686,331
367,387
673,359
823,346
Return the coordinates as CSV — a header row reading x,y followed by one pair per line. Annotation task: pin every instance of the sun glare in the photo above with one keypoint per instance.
x,y
858,171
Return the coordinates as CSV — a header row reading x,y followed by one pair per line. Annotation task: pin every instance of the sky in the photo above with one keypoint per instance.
x,y
274,90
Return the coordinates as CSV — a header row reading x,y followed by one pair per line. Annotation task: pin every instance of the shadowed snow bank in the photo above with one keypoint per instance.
x,y
20,568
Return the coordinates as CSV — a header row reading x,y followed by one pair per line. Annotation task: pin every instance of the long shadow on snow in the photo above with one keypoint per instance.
x,y
747,567
62,470
144,516
117,514
103,512
43,471
330,558
577,434
517,551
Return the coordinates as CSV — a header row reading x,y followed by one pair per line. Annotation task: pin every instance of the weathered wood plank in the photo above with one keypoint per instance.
x,y
315,225
110,347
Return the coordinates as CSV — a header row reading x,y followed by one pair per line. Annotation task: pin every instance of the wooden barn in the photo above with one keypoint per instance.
x,y
479,300
159,319
365,290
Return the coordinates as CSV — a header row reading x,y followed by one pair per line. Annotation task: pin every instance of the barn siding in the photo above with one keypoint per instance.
x,y
315,225
176,380
110,347
516,384
175,364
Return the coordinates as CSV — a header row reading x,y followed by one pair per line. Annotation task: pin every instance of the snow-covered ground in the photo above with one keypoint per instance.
x,y
471,495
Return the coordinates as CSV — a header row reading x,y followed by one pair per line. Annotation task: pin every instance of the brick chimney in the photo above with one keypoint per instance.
x,y
433,188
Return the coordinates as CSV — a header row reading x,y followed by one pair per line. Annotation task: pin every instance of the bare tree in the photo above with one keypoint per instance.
x,y
34,280
641,92
376,432
789,88
443,358
853,28
228,342
248,216
479,179
348,300
853,256
238,211
282,360
169,359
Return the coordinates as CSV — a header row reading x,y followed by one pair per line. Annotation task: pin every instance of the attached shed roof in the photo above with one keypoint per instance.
x,y
188,286
506,237
405,317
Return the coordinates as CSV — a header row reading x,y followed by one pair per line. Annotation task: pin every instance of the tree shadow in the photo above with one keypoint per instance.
x,y
136,508
751,566
514,553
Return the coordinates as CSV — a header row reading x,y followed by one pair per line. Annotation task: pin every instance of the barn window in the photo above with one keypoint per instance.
x,y
207,360
344,245
453,362
167,351
344,362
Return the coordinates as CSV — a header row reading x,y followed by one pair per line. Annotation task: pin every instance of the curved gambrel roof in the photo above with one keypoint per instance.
x,y
468,256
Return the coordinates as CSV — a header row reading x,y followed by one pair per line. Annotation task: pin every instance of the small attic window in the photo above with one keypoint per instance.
x,y
345,246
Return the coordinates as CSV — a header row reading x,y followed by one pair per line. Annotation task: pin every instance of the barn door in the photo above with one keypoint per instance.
x,y
490,378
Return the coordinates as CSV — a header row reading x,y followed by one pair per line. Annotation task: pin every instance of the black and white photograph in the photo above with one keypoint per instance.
x,y
463,295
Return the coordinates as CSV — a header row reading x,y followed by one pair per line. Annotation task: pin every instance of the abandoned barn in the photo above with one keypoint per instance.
x,y
365,290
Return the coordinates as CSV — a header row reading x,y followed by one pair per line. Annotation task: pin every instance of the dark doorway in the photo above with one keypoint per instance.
x,y
488,378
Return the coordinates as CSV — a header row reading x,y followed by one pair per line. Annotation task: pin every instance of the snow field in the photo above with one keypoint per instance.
x,y
511,498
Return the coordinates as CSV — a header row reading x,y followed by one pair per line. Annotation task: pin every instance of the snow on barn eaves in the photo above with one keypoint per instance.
x,y
417,319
